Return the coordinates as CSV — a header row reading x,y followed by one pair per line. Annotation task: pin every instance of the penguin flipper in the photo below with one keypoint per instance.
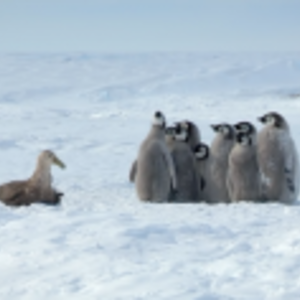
x,y
289,180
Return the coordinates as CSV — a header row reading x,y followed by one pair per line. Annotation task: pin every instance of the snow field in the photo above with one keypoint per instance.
x,y
93,111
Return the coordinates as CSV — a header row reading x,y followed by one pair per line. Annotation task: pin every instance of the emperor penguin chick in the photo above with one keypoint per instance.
x,y
220,148
188,182
278,160
202,155
243,178
155,176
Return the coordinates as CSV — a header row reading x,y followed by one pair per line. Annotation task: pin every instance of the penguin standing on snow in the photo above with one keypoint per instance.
x,y
155,176
219,152
243,178
278,159
188,182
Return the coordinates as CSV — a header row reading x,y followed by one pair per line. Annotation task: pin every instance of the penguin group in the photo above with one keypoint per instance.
x,y
173,165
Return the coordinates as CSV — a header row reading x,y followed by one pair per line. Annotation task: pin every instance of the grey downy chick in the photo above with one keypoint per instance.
x,y
188,183
278,159
243,178
220,148
155,176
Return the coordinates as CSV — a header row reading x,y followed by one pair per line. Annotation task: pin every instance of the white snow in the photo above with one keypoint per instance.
x,y
102,242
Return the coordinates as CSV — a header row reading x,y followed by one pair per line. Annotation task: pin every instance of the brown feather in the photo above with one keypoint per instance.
x,y
36,189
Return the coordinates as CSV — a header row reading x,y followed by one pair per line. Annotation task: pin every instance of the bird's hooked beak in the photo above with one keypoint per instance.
x,y
58,162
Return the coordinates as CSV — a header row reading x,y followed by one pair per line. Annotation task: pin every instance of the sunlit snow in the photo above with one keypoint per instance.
x,y
102,242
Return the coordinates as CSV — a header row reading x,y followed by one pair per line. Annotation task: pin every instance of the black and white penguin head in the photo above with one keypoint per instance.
x,y
245,127
274,119
159,119
181,133
244,139
225,129
201,151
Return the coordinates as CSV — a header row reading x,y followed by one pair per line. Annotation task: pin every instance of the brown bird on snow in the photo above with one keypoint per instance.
x,y
36,189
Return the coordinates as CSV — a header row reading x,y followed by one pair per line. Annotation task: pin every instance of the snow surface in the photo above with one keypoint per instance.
x,y
102,242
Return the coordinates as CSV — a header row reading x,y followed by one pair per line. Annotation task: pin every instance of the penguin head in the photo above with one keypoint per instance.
x,y
187,125
245,127
159,119
273,119
244,139
201,151
181,133
225,129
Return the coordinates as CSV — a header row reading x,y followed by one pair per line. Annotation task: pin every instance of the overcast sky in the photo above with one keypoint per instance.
x,y
149,25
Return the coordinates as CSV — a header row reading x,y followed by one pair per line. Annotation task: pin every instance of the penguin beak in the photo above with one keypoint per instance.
x,y
58,162
237,127
261,119
214,127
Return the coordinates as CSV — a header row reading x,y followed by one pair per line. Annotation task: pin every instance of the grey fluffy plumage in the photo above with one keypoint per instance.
x,y
243,178
278,160
155,176
188,182
220,148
